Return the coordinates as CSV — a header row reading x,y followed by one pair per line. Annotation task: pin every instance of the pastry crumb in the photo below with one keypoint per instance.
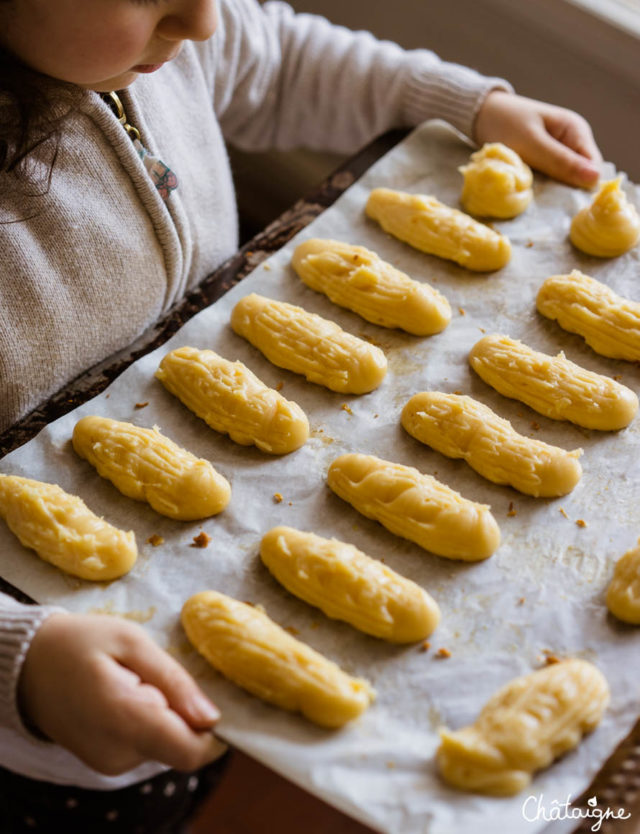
x,y
346,408
155,540
482,330
315,625
375,416
521,601
618,377
290,503
391,765
425,646
266,267
457,391
142,405
201,540
277,498
550,657
563,512
535,426
292,630
280,386
581,522
461,310
529,244
511,512
442,653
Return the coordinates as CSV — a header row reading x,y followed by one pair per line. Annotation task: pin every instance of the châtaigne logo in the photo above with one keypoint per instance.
x,y
535,809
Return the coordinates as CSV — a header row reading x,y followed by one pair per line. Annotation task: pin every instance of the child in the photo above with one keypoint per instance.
x,y
102,230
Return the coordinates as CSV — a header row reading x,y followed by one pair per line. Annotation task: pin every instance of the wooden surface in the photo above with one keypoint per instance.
x,y
617,785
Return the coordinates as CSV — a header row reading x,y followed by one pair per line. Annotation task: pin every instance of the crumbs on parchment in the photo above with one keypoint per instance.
x,y
142,405
424,646
346,408
201,540
511,512
550,657
462,311
154,540
563,512
280,386
581,522
277,498
442,654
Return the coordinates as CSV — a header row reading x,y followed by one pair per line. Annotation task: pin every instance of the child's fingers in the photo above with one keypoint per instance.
x,y
559,161
574,132
154,666
161,735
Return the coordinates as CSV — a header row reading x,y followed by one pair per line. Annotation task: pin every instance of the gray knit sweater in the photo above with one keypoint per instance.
x,y
101,256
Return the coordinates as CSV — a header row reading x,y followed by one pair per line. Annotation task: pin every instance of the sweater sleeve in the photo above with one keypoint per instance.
x,y
285,80
18,625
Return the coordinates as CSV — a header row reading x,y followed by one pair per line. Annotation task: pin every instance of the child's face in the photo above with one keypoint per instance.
x,y
102,44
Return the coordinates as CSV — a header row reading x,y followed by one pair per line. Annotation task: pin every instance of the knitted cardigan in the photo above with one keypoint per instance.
x,y
98,259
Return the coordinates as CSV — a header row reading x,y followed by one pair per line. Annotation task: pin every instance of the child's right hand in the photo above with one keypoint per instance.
x,y
101,688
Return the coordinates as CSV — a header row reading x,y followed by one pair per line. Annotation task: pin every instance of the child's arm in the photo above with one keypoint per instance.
x,y
552,139
285,80
101,688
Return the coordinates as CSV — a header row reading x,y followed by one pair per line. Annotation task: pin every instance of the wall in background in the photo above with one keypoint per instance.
x,y
548,49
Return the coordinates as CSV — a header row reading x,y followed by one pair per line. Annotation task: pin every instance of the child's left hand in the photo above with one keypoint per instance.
x,y
554,140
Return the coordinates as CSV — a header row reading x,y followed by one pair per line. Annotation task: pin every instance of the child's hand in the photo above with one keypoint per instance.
x,y
554,140
102,688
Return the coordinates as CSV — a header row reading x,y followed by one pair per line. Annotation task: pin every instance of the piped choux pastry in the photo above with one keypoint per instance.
x,y
461,427
552,385
248,648
308,344
527,724
609,226
232,400
147,466
415,506
358,279
63,531
497,183
348,585
609,323
433,227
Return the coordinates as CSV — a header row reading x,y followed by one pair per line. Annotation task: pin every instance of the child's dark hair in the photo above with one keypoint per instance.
x,y
33,108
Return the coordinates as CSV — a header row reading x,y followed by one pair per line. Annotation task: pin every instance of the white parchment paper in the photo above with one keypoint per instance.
x,y
543,589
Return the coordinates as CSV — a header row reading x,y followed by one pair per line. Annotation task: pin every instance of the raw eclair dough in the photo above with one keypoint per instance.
x,y
145,465
248,648
432,227
527,724
623,593
348,585
63,530
609,226
461,427
552,385
415,506
497,183
308,344
358,279
232,400
609,323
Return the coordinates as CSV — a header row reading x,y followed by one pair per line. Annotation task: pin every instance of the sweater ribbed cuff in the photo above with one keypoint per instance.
x,y
454,94
18,625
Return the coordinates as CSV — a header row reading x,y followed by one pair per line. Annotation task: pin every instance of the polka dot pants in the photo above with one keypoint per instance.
x,y
162,805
